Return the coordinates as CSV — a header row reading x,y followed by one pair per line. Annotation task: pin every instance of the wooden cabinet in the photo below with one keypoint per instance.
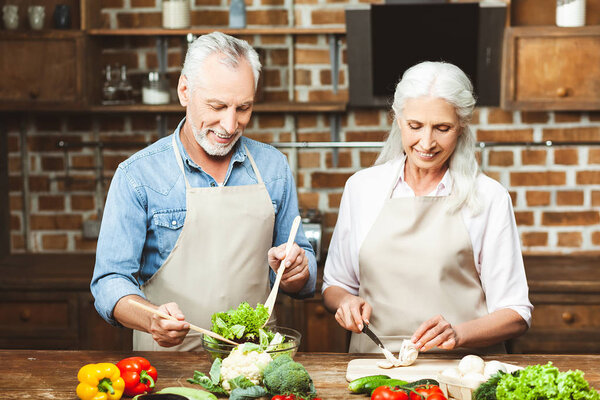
x,y
565,291
44,68
551,68
50,307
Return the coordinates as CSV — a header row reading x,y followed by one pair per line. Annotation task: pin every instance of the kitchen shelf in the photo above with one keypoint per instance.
x,y
41,34
205,30
266,107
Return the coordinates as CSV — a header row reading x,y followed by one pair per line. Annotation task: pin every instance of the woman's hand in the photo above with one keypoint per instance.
x,y
434,332
352,313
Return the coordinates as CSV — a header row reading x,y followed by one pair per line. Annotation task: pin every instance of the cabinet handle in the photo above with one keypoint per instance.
x,y
568,317
320,311
25,315
562,92
33,95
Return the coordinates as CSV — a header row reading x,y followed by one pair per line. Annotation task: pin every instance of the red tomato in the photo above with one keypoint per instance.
x,y
426,392
387,393
436,396
278,397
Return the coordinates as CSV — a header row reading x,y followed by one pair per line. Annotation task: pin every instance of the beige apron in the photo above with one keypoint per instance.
x,y
417,262
219,259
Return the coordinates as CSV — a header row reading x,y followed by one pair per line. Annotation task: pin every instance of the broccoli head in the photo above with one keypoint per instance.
x,y
284,376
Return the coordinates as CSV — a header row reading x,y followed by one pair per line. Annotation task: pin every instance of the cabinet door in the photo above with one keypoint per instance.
x,y
41,68
38,320
562,323
548,68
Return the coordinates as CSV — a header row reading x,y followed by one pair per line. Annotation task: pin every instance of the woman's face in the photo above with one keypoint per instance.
x,y
430,131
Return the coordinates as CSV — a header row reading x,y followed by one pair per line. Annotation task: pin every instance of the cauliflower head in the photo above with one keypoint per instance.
x,y
250,364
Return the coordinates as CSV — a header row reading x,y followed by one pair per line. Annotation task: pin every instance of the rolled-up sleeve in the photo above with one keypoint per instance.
x,y
120,245
502,270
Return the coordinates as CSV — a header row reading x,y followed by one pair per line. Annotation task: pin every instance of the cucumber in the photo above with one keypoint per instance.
x,y
385,382
358,385
421,382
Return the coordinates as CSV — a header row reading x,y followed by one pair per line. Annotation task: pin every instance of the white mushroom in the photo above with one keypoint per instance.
x,y
491,367
471,363
473,379
408,353
452,374
407,356
385,364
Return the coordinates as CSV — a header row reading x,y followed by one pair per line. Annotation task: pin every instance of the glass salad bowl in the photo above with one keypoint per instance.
x,y
290,344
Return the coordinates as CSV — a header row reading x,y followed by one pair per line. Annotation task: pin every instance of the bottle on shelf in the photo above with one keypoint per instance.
x,y
237,14
109,88
124,88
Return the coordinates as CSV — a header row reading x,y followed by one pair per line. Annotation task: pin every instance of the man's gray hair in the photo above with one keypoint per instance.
x,y
448,82
232,48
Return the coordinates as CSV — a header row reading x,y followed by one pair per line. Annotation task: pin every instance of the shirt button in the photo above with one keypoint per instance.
x,y
213,184
173,222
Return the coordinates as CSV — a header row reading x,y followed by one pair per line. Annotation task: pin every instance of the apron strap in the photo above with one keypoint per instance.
x,y
179,161
254,167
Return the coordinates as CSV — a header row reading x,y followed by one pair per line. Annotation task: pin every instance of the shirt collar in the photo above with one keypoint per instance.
x,y
443,188
239,151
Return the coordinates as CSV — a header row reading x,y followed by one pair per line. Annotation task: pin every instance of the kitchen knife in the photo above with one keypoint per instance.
x,y
373,337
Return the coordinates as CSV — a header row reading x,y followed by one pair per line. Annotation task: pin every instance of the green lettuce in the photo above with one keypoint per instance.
x,y
243,324
540,382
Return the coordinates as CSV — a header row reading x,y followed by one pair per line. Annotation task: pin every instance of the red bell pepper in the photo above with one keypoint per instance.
x,y
138,374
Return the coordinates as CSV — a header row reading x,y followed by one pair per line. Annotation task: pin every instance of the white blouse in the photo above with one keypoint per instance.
x,y
493,233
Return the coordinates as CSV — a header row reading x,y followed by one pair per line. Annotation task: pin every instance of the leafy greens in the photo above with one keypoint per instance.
x,y
541,382
243,324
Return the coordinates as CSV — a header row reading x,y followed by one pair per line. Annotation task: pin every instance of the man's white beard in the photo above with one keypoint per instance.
x,y
214,149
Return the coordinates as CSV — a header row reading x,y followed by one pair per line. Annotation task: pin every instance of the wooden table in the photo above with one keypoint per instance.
x,y
37,374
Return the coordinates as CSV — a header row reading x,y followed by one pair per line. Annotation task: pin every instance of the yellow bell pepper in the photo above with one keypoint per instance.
x,y
100,382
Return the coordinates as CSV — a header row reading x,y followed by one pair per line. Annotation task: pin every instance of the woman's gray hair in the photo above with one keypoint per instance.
x,y
216,42
448,82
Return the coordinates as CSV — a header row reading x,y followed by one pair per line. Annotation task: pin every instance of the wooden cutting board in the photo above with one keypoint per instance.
x,y
421,369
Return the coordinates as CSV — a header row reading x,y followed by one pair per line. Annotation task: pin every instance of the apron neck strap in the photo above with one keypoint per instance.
x,y
254,167
179,161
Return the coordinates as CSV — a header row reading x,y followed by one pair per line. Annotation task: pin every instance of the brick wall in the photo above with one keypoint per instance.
x,y
555,189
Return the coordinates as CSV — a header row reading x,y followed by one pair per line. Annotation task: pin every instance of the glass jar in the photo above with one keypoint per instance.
x,y
156,89
175,14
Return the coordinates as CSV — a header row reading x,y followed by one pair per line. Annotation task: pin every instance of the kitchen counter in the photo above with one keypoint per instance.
x,y
40,374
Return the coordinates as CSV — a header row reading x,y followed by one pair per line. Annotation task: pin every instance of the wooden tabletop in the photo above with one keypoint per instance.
x,y
40,374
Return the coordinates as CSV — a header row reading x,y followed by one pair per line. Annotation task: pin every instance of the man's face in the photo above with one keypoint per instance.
x,y
219,104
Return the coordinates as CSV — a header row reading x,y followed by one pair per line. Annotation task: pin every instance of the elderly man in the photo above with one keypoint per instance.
x,y
193,221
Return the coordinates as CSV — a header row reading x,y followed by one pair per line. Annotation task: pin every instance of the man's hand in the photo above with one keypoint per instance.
x,y
296,267
165,332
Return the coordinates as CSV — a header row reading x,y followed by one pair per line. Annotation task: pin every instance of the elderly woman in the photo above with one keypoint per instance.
x,y
426,246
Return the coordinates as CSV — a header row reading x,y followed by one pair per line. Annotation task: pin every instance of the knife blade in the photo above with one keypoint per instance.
x,y
373,336
388,354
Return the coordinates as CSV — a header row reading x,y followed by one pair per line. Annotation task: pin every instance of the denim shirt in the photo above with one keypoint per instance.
x,y
145,211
